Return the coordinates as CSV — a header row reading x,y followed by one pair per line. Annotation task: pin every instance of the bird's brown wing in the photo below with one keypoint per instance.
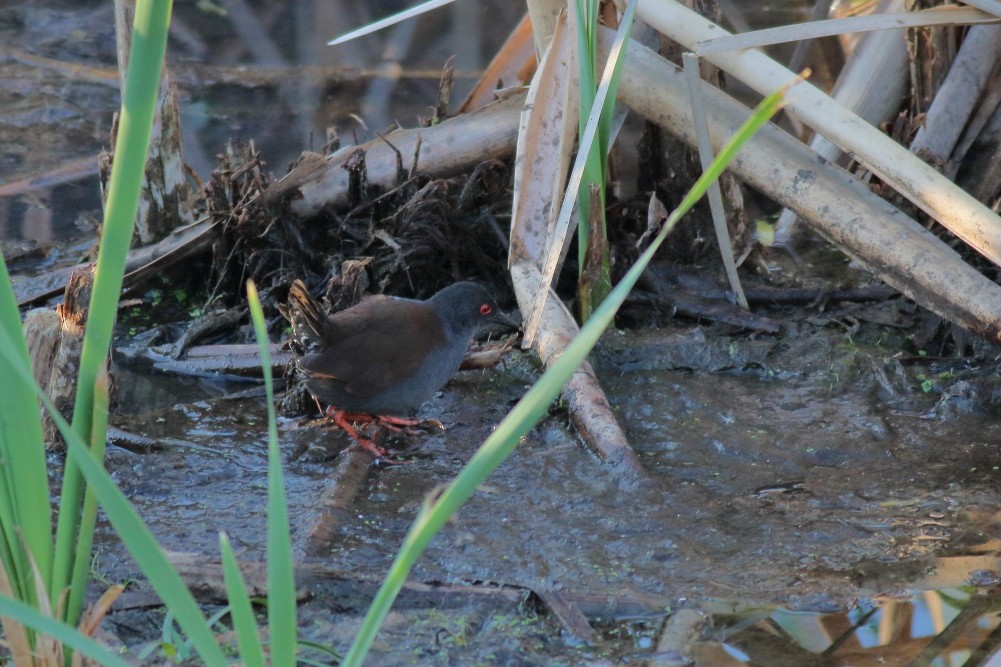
x,y
375,344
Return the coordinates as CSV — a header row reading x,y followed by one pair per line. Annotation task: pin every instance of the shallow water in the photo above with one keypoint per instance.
x,y
258,73
796,480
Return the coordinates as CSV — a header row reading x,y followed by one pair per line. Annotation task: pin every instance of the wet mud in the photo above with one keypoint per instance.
x,y
813,471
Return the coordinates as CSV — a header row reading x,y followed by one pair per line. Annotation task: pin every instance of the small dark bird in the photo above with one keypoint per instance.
x,y
380,360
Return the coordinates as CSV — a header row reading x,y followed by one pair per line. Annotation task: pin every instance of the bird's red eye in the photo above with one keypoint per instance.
x,y
486,309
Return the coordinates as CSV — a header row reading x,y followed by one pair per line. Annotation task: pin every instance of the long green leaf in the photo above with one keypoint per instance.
x,y
535,403
136,536
611,74
281,573
25,513
593,171
88,517
65,634
597,110
149,43
240,609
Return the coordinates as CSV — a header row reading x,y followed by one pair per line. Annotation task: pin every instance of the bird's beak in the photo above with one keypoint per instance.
x,y
508,320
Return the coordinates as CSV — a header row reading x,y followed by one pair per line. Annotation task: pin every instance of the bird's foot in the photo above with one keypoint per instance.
x,y
347,421
409,426
402,425
394,424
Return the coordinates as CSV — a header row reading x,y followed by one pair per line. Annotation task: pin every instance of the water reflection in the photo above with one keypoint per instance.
x,y
958,626
263,73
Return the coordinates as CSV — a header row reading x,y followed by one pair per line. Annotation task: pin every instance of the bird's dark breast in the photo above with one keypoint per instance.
x,y
401,397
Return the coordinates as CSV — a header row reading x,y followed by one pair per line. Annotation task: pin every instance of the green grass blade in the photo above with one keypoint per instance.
x,y
25,513
613,72
167,635
577,174
593,166
130,528
149,43
281,573
319,648
240,609
597,109
65,634
534,404
88,518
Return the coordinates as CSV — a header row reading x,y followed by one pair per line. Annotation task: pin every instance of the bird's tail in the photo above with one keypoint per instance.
x,y
307,318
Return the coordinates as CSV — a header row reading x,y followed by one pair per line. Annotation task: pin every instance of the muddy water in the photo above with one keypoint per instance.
x,y
256,74
809,472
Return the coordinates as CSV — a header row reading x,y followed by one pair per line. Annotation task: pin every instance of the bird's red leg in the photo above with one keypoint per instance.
x,y
348,421
344,420
397,424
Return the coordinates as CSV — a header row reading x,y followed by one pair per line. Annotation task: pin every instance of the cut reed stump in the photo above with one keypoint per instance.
x,y
55,340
